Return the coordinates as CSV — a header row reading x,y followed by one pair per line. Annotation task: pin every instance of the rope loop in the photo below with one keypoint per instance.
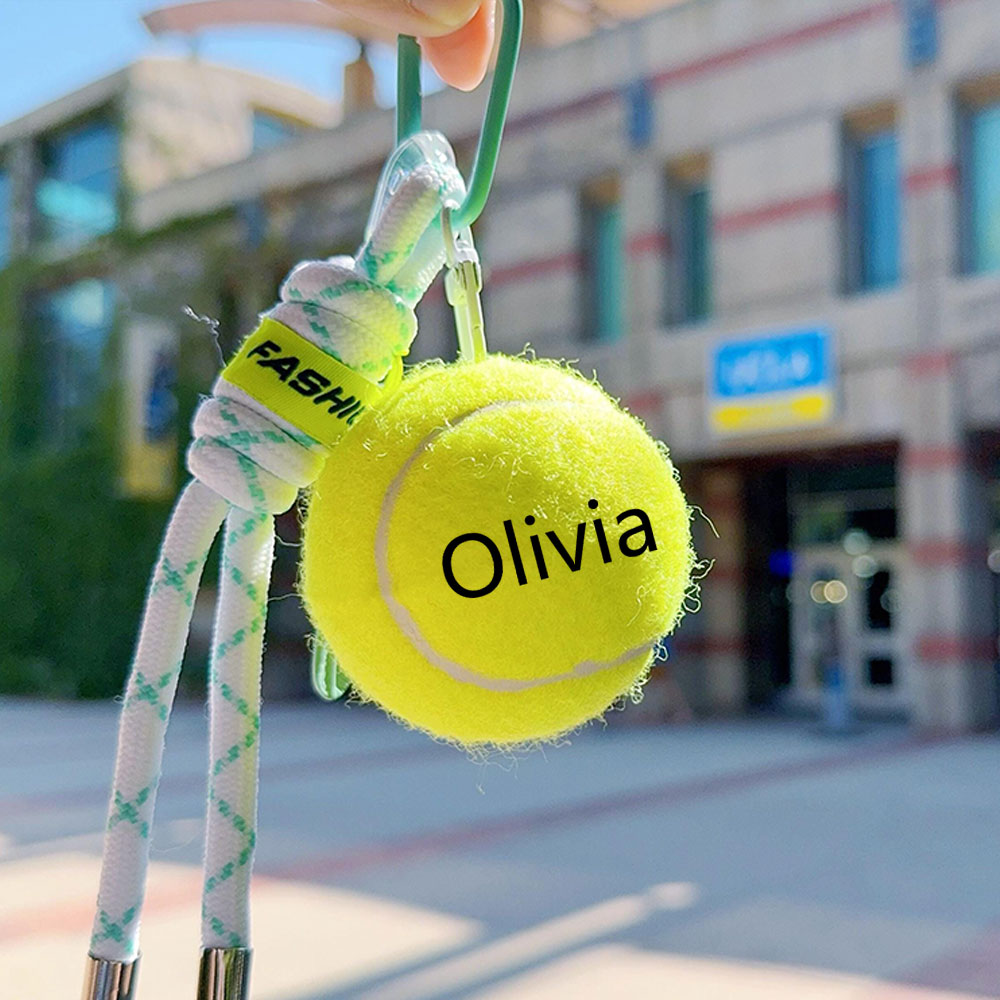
x,y
248,459
359,310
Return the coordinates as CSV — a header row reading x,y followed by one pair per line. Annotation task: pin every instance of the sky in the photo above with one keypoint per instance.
x,y
51,47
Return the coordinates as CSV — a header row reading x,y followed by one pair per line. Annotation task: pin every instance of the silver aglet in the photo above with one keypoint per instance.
x,y
224,974
107,980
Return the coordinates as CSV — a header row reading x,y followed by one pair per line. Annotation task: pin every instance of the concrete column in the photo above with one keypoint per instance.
x,y
946,608
645,247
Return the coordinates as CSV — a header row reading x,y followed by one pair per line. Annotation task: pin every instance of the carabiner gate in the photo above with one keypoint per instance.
x,y
409,108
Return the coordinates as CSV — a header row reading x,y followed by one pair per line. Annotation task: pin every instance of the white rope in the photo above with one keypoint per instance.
x,y
251,462
143,726
234,679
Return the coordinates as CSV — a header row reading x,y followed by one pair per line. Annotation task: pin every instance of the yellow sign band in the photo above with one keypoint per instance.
x,y
294,379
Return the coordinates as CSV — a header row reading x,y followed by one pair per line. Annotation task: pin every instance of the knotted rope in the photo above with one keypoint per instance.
x,y
248,464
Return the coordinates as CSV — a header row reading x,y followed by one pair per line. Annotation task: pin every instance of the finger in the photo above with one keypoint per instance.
x,y
461,58
426,18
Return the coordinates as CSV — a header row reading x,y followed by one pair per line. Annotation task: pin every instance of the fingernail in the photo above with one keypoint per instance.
x,y
447,13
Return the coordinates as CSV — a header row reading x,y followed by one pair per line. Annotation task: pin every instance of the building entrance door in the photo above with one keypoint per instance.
x,y
845,606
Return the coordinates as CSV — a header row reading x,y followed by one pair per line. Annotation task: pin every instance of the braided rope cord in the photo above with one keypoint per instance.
x,y
234,679
248,464
149,696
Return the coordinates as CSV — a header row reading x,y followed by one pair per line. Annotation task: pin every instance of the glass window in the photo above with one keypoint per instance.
x,y
77,195
689,228
6,209
697,225
272,130
74,324
837,503
879,600
983,188
604,260
880,671
873,206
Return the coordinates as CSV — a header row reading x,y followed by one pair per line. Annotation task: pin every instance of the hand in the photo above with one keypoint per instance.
x,y
456,35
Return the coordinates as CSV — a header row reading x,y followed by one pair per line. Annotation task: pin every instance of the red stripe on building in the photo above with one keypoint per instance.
x,y
725,59
734,222
949,648
647,401
731,573
777,211
776,43
707,645
644,243
928,178
946,552
654,242
822,202
939,457
536,268
543,116
930,363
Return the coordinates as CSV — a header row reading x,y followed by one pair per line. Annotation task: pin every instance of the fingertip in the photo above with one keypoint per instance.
x,y
462,57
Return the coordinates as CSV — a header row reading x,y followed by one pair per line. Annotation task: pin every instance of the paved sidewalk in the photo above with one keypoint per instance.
x,y
730,861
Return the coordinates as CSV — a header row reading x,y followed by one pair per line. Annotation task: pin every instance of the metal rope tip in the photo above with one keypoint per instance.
x,y
224,974
108,980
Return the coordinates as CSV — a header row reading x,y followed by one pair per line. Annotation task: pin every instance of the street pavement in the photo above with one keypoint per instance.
x,y
744,860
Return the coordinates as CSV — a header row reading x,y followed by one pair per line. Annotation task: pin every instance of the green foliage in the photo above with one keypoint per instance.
x,y
74,561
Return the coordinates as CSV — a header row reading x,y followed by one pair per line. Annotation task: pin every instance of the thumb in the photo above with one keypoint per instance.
x,y
461,57
425,18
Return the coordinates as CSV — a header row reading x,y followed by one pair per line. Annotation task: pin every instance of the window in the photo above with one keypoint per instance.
x,y
979,124
829,502
73,326
6,211
984,188
77,195
604,259
689,224
272,130
871,200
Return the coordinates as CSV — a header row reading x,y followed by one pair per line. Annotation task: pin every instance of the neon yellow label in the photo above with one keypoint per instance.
x,y
777,412
300,383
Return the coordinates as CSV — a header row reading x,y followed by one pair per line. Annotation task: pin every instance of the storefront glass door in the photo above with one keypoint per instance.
x,y
845,614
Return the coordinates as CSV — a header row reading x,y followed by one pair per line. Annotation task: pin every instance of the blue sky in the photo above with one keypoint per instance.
x,y
50,47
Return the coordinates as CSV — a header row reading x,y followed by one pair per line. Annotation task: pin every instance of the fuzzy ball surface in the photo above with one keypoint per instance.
x,y
493,551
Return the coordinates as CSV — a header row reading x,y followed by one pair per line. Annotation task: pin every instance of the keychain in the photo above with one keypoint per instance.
x,y
491,552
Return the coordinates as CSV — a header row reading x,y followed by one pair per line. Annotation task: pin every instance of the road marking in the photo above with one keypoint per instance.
x,y
517,950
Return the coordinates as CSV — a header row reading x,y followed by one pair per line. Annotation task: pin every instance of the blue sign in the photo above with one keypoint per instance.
x,y
921,31
639,104
773,382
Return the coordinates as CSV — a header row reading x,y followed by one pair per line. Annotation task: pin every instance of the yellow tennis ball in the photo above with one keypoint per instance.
x,y
493,550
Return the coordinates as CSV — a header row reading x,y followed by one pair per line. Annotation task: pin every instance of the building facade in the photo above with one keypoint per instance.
x,y
773,228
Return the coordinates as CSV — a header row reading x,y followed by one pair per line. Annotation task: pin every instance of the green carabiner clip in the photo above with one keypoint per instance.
x,y
409,107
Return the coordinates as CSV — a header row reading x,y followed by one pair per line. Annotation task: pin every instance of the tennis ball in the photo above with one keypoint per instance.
x,y
493,550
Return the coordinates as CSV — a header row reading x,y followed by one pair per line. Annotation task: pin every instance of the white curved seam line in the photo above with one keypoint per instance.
x,y
405,620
